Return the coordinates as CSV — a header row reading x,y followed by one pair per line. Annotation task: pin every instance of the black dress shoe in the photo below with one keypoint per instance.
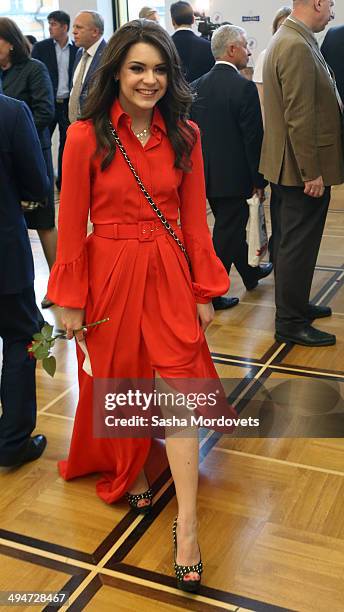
x,y
262,271
308,336
222,303
32,452
318,312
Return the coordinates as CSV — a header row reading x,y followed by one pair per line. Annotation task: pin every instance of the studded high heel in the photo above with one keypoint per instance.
x,y
134,499
192,586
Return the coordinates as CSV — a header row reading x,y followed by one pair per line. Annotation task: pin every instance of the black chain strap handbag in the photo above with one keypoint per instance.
x,y
149,199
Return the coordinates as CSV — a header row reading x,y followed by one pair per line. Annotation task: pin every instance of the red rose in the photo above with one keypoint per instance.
x,y
30,351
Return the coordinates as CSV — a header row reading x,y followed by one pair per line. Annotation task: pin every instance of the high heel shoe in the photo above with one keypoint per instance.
x,y
191,586
133,501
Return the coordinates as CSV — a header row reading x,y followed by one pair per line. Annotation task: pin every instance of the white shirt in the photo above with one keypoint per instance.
x,y
62,58
258,71
91,52
186,28
227,63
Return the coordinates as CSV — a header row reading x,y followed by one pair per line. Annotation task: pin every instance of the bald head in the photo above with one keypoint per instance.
x,y
316,14
88,27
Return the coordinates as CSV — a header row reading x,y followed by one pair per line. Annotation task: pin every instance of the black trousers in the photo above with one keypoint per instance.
x,y
229,236
19,320
44,218
299,225
60,119
274,203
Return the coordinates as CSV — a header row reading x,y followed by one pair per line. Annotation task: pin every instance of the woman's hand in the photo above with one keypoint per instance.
x,y
206,314
73,318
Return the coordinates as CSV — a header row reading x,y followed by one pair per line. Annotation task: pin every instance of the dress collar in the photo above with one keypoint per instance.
x,y
118,115
302,24
68,43
223,62
184,29
92,50
302,28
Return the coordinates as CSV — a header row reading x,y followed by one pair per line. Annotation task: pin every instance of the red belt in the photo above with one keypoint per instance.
x,y
142,231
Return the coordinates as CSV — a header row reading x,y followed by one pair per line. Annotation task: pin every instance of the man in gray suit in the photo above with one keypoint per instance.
x,y
302,155
88,30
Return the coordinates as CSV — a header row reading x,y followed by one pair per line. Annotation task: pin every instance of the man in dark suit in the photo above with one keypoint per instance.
x,y
228,113
194,51
23,176
58,54
88,29
333,52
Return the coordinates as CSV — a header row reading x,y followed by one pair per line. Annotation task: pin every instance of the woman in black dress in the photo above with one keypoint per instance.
x,y
28,79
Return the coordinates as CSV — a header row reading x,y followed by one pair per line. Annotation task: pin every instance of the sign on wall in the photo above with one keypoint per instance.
x,y
256,17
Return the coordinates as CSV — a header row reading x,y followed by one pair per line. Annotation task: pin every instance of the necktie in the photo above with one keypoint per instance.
x,y
332,77
74,100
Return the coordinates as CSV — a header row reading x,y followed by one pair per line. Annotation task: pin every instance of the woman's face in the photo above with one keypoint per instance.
x,y
142,78
5,48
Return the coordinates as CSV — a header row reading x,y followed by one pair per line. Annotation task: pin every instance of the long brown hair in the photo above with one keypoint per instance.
x,y
10,32
174,105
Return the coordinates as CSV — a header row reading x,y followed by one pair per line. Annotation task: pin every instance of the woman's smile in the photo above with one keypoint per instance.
x,y
147,92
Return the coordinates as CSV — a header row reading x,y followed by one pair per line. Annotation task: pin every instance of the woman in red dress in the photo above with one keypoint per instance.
x,y
158,311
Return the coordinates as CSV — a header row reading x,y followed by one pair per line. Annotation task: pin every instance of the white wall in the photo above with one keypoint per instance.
x,y
102,6
259,32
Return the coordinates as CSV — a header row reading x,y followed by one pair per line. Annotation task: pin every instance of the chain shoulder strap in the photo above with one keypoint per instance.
x,y
149,199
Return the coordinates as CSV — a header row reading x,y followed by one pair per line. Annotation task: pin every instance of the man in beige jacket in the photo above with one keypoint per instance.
x,y
302,155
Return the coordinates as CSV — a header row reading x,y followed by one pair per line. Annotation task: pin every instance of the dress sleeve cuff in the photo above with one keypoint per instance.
x,y
204,294
200,299
68,283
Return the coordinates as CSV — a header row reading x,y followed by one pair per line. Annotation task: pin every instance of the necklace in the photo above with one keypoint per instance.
x,y
143,134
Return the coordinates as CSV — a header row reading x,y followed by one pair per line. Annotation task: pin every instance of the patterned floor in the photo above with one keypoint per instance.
x,y
270,507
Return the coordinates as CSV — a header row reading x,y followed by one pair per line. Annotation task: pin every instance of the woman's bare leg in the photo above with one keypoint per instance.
x,y
48,238
182,455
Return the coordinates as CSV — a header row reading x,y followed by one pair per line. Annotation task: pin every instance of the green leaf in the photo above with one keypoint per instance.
x,y
49,365
34,347
41,352
47,330
38,337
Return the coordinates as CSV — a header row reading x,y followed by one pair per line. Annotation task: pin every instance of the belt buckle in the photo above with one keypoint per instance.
x,y
146,231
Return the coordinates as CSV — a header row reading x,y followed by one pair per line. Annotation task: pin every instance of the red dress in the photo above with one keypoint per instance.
x,y
143,286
